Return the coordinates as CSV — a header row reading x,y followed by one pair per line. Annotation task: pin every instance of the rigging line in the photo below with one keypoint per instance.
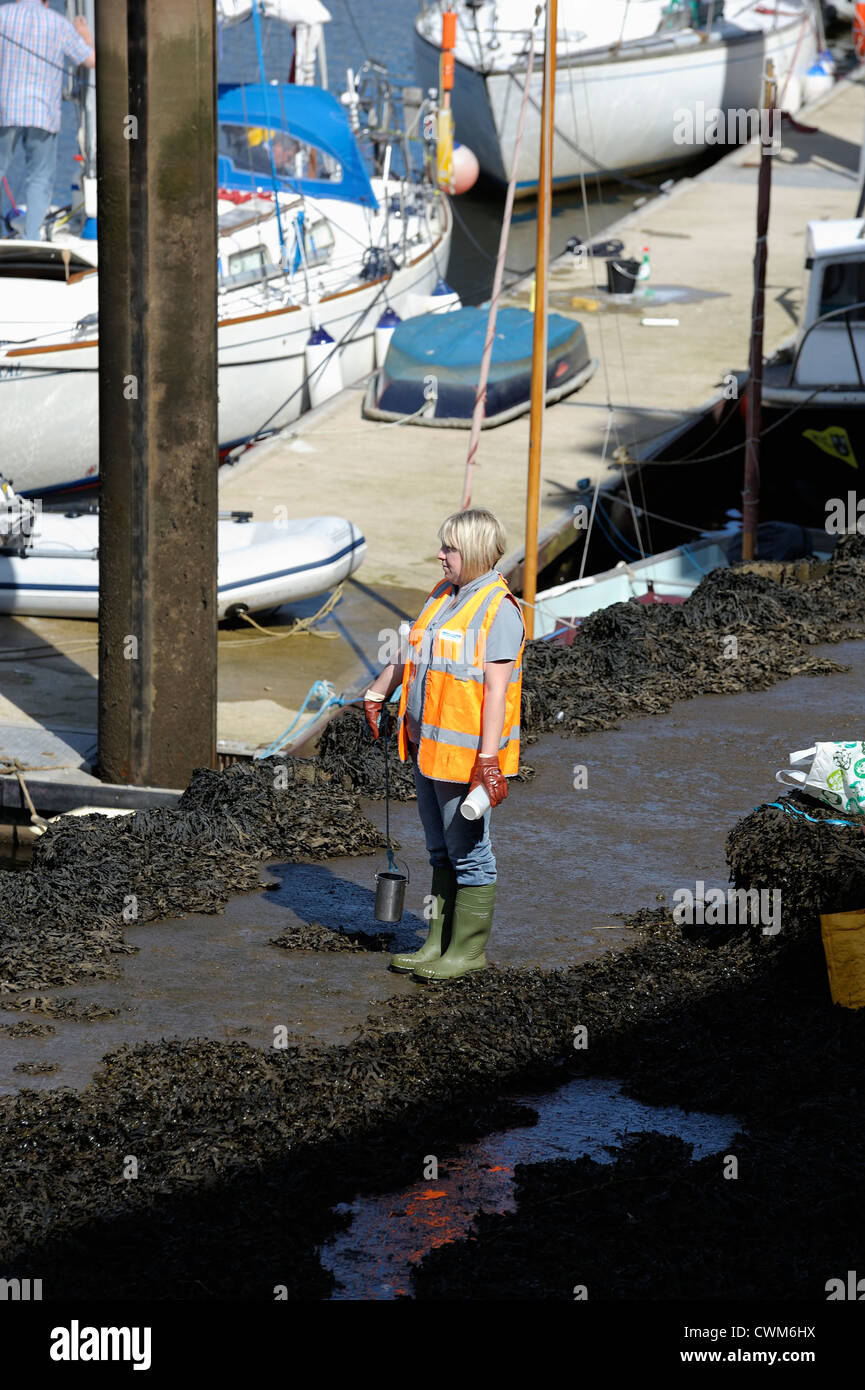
x,y
256,24
360,38
606,376
252,438
622,356
585,553
480,46
736,448
722,423
695,416
671,521
588,107
487,255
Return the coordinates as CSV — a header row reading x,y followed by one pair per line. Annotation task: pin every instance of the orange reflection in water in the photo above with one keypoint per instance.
x,y
433,1216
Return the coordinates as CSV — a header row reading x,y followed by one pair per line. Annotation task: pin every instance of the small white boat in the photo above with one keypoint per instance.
x,y
638,84
49,561
825,364
668,577
673,574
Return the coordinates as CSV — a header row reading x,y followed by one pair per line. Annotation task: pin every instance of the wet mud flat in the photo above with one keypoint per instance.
x,y
206,1168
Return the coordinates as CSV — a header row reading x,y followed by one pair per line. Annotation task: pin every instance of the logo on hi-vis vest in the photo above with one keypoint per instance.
x,y
834,441
465,645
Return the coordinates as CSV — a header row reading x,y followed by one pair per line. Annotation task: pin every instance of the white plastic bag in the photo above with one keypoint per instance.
x,y
833,773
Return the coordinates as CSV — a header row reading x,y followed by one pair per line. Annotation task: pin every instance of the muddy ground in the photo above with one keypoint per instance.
x,y
209,1166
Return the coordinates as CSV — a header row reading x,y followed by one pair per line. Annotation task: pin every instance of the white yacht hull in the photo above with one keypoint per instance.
x,y
618,114
49,397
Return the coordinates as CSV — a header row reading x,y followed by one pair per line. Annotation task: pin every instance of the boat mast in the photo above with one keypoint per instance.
x,y
754,401
539,349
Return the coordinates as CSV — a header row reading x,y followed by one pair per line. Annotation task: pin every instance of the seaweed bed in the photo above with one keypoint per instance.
x,y
240,1154
62,920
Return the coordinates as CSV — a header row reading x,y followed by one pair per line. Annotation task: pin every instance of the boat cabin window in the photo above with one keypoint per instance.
x,y
318,241
249,267
843,286
254,259
251,148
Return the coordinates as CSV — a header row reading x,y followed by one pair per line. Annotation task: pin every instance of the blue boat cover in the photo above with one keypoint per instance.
x,y
451,345
447,349
310,116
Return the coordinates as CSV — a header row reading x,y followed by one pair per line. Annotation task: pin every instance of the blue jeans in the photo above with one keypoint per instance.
x,y
40,161
449,836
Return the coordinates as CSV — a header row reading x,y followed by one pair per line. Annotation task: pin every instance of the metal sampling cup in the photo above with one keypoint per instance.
x,y
389,896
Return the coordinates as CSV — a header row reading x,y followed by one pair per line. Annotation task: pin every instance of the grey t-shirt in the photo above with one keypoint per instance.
x,y
503,644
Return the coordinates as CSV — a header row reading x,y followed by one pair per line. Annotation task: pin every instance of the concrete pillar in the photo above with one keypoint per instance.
x,y
156,93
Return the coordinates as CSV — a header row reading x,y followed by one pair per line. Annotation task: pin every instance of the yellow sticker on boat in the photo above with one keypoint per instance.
x,y
834,441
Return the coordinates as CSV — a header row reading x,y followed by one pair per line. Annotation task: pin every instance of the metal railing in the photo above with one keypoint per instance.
x,y
824,318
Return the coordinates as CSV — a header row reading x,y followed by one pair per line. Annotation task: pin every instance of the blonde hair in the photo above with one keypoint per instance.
x,y
478,536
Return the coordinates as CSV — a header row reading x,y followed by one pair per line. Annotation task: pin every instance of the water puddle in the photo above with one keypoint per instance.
x,y
372,1258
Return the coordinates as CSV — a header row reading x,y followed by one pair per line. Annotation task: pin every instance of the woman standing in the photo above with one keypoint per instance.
x,y
459,722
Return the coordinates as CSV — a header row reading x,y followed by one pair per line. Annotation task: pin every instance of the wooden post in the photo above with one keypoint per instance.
x,y
754,399
539,349
156,168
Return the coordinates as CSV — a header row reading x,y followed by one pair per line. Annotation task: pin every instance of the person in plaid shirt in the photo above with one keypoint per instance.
x,y
35,42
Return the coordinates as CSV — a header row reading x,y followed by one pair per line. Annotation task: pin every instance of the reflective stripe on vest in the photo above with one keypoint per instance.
x,y
451,721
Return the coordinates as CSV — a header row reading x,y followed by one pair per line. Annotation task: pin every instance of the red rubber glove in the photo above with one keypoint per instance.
x,y
373,710
487,773
372,713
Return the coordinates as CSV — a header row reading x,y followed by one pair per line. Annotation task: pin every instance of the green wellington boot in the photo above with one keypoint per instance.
x,y
470,932
444,891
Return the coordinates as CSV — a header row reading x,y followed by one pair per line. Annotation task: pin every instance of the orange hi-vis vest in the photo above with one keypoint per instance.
x,y
451,723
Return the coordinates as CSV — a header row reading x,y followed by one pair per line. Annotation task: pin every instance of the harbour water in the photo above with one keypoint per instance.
x,y
389,1234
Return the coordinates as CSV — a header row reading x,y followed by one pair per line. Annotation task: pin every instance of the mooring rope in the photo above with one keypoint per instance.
x,y
302,625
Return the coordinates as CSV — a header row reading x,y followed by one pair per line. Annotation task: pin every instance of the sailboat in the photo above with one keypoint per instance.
x,y
314,250
629,69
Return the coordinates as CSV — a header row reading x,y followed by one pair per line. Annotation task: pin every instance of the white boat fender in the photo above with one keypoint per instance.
x,y
443,299
384,331
820,77
323,367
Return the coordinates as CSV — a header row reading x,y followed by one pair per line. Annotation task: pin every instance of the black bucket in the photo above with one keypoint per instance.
x,y
622,276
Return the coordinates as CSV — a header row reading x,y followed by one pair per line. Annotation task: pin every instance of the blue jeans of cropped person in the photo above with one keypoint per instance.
x,y
40,162
449,836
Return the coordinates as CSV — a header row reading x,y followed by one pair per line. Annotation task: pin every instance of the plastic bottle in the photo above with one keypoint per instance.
x,y
476,804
